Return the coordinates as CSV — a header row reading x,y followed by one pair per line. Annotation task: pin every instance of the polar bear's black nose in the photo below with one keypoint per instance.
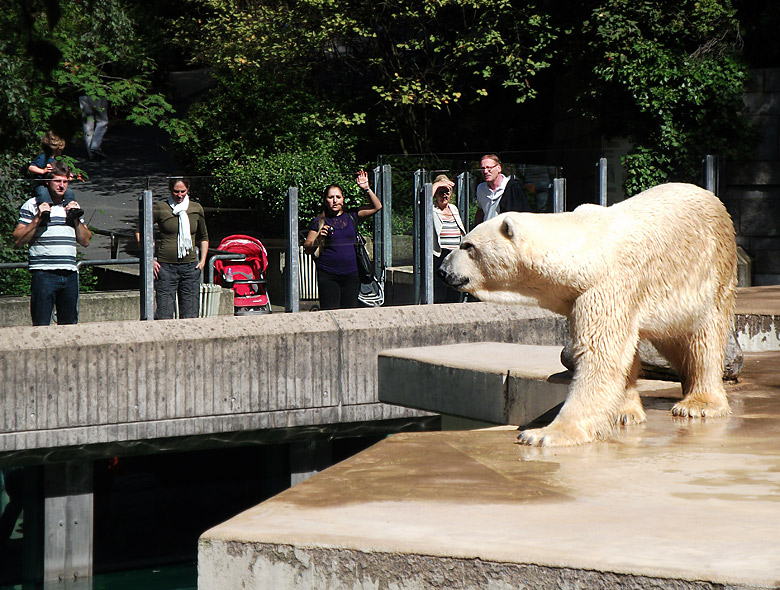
x,y
452,280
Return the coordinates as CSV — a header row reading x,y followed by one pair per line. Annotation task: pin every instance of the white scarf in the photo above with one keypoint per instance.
x,y
184,240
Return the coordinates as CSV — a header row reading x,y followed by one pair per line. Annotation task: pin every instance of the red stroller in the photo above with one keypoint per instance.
x,y
245,274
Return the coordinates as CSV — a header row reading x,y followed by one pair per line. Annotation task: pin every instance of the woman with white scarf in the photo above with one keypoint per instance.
x,y
178,266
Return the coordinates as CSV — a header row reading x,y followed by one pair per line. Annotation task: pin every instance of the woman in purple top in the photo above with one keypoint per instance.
x,y
331,238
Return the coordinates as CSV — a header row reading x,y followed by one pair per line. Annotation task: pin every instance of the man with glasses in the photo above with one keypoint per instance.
x,y
499,193
52,254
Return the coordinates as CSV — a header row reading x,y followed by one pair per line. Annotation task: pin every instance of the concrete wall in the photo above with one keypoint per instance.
x,y
752,191
104,306
128,381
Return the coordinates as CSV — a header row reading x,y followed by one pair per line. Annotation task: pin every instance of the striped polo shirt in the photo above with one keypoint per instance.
x,y
55,247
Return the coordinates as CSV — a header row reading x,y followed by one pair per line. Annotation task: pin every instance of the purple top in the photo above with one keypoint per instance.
x,y
338,252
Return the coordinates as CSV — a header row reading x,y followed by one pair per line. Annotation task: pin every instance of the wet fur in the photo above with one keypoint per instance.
x,y
661,265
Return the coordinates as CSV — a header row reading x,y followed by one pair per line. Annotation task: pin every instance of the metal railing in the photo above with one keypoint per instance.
x,y
545,185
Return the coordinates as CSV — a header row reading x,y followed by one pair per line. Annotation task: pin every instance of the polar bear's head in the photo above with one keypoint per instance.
x,y
495,262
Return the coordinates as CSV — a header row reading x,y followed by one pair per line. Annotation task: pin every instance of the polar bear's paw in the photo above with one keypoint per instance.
x,y
698,408
631,413
551,436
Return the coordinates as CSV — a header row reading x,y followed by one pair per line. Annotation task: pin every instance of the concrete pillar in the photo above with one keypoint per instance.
x,y
307,458
68,516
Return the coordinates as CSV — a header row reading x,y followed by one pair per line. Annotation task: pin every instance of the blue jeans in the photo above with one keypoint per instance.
x,y
42,196
177,279
54,288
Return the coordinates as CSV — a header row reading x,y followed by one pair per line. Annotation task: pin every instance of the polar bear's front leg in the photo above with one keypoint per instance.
x,y
602,391
589,414
554,436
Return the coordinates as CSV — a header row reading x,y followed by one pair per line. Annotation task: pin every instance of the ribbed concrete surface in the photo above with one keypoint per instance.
x,y
129,381
669,504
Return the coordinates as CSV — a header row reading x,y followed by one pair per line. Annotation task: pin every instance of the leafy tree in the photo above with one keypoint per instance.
x,y
257,137
54,51
397,61
51,52
668,75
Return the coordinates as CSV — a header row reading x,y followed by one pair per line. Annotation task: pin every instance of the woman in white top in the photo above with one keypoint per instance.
x,y
448,234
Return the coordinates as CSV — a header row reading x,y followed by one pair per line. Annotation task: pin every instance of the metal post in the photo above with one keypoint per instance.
x,y
601,190
147,255
464,196
379,226
291,266
711,174
559,195
387,219
418,187
383,229
427,243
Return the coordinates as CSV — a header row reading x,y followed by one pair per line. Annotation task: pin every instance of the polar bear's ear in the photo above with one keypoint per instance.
x,y
508,229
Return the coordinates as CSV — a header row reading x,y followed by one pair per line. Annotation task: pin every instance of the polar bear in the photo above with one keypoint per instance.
x,y
661,265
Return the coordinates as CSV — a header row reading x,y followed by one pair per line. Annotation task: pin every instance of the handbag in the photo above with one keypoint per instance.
x,y
364,265
371,294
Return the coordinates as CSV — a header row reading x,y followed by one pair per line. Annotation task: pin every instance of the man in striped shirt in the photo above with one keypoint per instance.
x,y
52,253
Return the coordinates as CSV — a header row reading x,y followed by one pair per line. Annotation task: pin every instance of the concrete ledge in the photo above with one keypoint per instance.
x,y
495,382
122,381
103,306
667,504
757,320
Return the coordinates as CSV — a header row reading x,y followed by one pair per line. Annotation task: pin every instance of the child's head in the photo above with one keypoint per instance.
x,y
53,145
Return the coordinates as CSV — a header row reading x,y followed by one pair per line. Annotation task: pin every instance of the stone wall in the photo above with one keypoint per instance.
x,y
102,306
118,382
751,190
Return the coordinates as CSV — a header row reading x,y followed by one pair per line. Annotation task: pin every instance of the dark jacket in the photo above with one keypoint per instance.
x,y
514,198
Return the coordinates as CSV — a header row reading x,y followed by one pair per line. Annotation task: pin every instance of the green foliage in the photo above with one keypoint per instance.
x,y
54,51
263,182
13,193
667,75
258,136
399,60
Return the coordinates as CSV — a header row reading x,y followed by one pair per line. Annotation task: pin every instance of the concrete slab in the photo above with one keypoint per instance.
x,y
672,503
496,382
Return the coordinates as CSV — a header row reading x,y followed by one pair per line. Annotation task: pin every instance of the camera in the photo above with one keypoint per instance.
x,y
330,231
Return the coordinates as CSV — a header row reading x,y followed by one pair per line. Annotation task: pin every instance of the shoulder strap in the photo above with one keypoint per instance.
x,y
320,242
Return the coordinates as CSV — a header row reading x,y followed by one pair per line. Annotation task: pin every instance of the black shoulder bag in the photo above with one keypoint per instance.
x,y
364,265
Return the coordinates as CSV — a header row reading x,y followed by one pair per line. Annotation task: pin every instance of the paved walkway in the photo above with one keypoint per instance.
x,y
109,196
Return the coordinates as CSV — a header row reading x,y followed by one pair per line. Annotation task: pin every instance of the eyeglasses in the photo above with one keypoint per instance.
x,y
488,168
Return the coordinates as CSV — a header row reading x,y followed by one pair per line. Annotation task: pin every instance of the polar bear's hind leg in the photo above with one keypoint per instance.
x,y
703,393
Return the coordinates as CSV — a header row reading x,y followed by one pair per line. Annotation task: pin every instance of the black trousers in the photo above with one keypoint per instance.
x,y
337,291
